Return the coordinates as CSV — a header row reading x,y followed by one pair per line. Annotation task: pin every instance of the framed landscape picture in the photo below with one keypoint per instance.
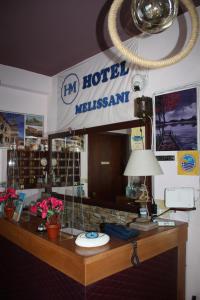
x,y
15,128
11,129
176,120
34,126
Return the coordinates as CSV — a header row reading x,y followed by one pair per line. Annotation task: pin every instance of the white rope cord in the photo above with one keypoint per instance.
x,y
138,60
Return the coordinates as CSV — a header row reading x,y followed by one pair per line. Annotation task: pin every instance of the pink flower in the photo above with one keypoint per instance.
x,y
2,199
56,203
44,214
33,209
50,208
12,193
43,205
8,196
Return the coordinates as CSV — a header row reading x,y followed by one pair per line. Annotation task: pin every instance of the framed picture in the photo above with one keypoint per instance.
x,y
138,138
176,120
11,129
16,128
34,125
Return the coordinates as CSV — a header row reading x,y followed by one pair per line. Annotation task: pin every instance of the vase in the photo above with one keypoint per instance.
x,y
9,212
53,231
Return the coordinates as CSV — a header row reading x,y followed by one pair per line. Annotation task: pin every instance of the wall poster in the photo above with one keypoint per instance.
x,y
15,128
34,126
188,163
138,138
176,120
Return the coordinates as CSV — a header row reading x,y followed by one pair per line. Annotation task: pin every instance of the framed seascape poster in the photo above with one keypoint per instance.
x,y
11,129
176,120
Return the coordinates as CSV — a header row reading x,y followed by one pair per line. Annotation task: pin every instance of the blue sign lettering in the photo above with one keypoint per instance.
x,y
71,85
105,74
103,102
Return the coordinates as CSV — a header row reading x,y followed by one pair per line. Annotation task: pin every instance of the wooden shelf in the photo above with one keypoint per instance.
x,y
64,165
25,170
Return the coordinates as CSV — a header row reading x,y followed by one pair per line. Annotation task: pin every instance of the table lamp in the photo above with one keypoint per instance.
x,y
143,163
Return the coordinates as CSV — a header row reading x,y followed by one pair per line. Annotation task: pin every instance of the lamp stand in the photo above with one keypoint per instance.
x,y
144,197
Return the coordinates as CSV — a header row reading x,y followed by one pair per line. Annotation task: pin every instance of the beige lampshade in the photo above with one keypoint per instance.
x,y
142,163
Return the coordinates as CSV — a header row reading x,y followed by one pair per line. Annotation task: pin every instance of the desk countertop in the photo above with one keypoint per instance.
x,y
90,265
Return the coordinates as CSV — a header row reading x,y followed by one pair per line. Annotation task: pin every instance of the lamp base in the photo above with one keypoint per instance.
x,y
143,226
143,220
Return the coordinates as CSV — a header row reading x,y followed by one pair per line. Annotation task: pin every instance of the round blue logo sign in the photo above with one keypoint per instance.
x,y
92,235
188,163
70,88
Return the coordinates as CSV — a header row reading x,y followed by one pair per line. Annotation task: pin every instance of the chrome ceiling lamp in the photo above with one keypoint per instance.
x,y
153,16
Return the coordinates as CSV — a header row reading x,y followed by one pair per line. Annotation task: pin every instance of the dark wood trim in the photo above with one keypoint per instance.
x,y
108,127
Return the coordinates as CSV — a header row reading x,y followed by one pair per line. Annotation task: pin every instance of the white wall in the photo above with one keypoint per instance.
x,y
52,107
23,92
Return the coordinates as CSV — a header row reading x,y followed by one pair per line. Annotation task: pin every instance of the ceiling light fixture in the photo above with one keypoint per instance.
x,y
151,17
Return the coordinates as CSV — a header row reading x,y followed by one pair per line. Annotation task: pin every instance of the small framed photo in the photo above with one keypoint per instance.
x,y
11,129
138,138
34,126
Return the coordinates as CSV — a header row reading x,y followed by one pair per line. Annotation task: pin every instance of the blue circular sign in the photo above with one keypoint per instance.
x,y
70,88
92,235
188,162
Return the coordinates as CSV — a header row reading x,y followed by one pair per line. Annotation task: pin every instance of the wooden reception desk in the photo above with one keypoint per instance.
x,y
88,266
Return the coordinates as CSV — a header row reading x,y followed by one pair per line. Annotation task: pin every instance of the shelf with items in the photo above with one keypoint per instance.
x,y
27,169
65,168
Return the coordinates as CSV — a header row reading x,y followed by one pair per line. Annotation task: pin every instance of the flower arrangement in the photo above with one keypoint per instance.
x,y
50,209
8,197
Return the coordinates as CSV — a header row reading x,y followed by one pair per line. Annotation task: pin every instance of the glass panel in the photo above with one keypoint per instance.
x,y
69,165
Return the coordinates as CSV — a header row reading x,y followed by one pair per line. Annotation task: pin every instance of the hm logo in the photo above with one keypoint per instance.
x,y
70,88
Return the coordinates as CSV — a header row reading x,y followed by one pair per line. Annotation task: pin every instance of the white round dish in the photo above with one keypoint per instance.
x,y
92,239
